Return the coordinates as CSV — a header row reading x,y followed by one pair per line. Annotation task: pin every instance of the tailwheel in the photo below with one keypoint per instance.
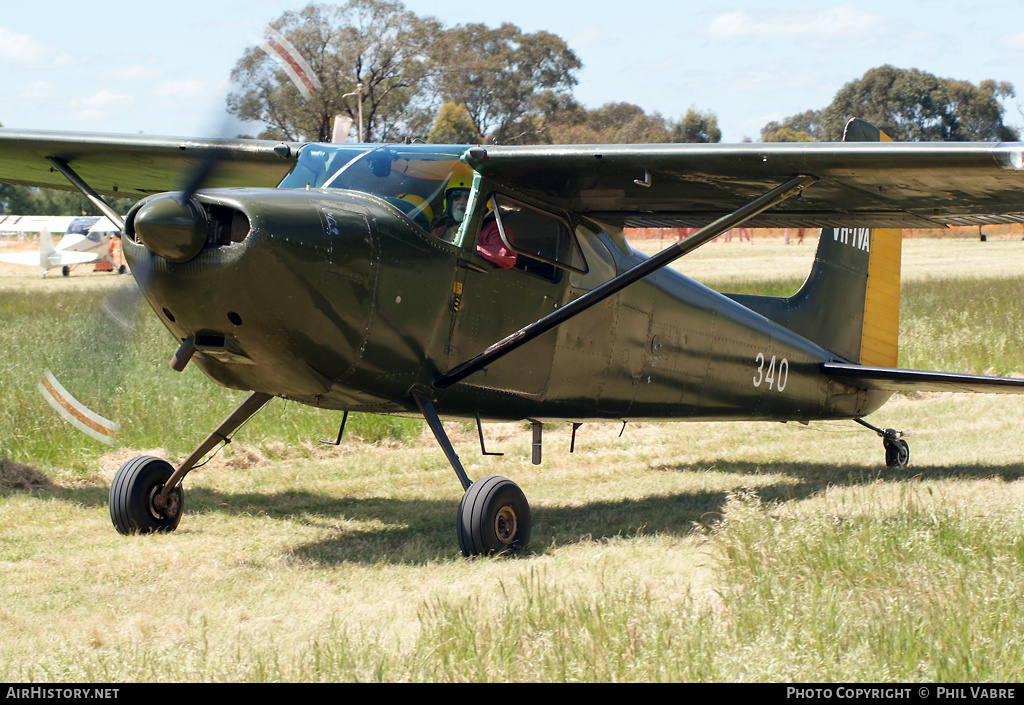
x,y
494,517
897,452
137,505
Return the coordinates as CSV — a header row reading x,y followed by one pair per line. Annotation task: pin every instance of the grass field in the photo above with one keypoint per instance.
x,y
676,552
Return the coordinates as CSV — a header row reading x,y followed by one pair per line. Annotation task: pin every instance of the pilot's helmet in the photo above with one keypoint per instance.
x,y
456,196
416,208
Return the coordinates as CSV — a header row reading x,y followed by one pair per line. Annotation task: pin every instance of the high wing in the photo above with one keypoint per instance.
x,y
134,166
862,184
859,184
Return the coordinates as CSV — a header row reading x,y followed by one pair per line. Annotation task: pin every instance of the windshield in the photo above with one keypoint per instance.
x,y
412,177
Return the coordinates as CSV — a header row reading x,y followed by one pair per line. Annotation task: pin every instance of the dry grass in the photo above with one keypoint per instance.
x,y
770,259
711,552
344,566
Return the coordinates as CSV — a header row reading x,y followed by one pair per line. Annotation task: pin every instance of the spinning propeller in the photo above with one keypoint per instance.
x,y
173,225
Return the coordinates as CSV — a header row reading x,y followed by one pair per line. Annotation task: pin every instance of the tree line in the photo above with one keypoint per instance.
x,y
420,80
416,79
909,105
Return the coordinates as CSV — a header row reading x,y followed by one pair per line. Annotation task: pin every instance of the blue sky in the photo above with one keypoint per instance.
x,y
162,68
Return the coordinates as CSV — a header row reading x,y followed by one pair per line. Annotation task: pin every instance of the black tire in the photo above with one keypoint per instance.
x,y
494,517
135,485
65,270
897,453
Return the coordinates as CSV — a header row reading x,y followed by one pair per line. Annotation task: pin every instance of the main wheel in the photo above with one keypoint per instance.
x,y
897,453
494,517
135,507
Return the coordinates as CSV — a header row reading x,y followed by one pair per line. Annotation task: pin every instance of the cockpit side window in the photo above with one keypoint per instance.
x,y
538,234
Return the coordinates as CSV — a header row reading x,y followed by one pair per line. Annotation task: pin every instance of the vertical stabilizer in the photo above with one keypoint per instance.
x,y
850,301
46,247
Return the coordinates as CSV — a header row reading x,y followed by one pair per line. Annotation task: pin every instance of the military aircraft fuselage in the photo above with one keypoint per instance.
x,y
338,299
495,282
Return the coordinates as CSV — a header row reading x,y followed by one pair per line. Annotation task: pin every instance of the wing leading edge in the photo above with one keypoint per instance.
x,y
859,184
892,379
134,166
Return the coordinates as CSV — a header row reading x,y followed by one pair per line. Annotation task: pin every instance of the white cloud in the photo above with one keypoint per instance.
x,y
23,50
1012,44
134,72
1012,41
99,105
587,38
34,90
805,22
185,89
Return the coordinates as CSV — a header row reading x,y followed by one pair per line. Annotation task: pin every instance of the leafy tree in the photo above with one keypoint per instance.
x,y
378,43
979,114
28,200
625,123
697,126
453,125
612,123
805,127
913,105
513,84
469,83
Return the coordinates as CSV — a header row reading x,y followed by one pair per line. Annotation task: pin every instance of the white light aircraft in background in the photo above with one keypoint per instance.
x,y
86,239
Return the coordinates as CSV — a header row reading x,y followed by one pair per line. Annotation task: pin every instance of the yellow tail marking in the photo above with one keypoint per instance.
x,y
881,329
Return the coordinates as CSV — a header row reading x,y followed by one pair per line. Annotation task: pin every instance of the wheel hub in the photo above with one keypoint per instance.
x,y
505,525
161,507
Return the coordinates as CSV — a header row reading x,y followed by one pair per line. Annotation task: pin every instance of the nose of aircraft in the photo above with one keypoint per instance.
x,y
172,228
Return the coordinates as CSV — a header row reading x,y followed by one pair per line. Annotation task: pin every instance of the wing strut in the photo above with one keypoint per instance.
x,y
76,181
616,284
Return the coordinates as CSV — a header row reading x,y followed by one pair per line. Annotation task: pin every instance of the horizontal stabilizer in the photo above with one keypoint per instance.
x,y
896,380
28,258
55,259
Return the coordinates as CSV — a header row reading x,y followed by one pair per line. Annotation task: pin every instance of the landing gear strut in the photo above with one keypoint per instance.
x,y
493,516
146,495
897,452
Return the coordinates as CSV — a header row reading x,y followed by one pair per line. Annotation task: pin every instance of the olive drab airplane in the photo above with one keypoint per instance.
x,y
494,282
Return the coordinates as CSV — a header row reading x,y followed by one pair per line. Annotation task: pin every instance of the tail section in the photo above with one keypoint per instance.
x,y
850,302
46,247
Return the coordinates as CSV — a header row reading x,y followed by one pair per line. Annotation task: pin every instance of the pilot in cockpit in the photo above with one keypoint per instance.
x,y
489,244
456,199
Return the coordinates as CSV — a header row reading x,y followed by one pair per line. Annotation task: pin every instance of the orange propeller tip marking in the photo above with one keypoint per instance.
x,y
75,413
291,62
